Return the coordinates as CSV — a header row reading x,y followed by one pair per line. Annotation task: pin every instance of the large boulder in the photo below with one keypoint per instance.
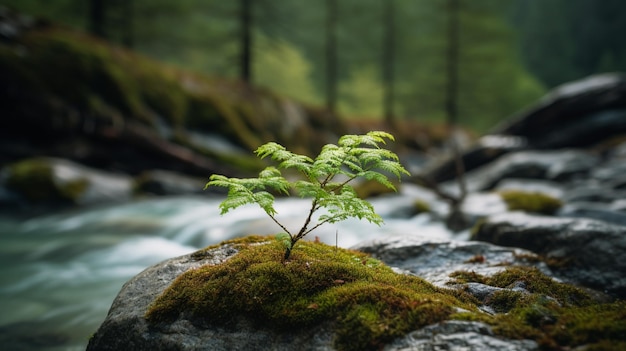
x,y
558,165
575,114
578,114
584,251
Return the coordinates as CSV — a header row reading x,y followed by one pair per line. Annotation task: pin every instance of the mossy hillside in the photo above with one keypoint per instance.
x,y
534,202
81,70
557,315
367,302
93,79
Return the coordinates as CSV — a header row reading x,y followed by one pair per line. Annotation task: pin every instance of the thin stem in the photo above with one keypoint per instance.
x,y
344,183
303,231
280,225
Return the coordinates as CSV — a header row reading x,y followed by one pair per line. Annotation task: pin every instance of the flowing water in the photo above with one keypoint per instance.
x,y
60,273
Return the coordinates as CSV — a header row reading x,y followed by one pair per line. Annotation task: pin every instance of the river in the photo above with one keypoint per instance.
x,y
59,273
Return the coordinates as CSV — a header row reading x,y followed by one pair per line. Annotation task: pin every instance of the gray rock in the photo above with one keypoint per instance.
x,y
458,335
434,260
575,114
589,252
594,210
547,165
102,186
125,327
578,114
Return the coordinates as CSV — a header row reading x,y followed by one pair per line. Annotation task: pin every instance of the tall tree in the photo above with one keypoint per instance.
x,y
456,219
97,16
112,20
563,40
452,62
245,23
388,61
331,57
128,16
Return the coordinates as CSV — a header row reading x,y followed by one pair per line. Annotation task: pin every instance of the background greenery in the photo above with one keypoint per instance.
x,y
510,51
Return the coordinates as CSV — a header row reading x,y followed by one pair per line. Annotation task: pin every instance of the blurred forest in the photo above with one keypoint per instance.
x,y
403,59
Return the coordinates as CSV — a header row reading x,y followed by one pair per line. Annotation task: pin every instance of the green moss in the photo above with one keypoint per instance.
x,y
530,202
89,75
461,277
503,301
368,303
537,282
32,179
557,315
421,206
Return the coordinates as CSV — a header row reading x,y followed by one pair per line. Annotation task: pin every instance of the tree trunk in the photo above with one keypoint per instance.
x,y
331,57
452,61
128,23
388,62
245,22
455,220
97,18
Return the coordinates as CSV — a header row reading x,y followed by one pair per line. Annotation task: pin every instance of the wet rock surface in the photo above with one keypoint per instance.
x,y
583,251
435,260
578,114
458,335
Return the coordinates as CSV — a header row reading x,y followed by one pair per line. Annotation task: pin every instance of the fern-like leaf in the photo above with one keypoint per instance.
x,y
326,181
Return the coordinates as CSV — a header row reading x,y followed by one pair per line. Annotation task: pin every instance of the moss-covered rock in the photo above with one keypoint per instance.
x,y
240,294
558,316
533,202
35,180
368,303
44,181
584,251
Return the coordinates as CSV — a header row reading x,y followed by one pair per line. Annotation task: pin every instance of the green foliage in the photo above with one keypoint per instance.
x,y
325,180
288,46
282,67
362,92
